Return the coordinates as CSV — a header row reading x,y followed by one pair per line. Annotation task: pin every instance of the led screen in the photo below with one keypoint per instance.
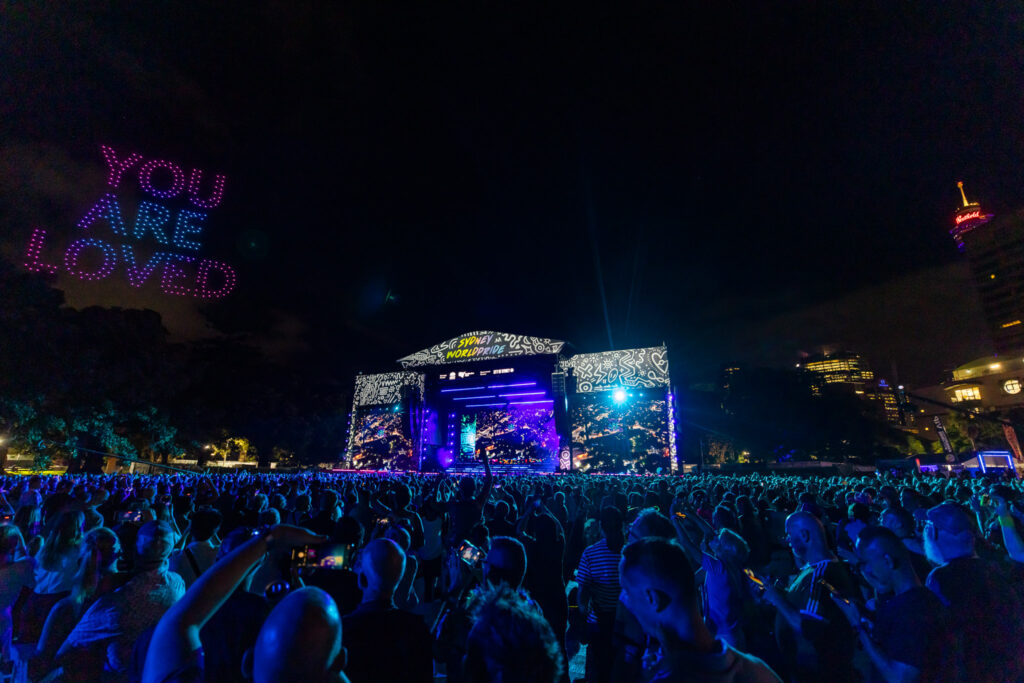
x,y
512,436
380,440
631,436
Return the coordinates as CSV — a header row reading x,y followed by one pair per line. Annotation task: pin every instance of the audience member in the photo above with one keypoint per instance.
x,y
101,644
377,631
201,553
658,589
510,640
981,597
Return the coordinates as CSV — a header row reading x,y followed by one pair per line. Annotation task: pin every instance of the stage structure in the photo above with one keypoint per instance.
x,y
523,401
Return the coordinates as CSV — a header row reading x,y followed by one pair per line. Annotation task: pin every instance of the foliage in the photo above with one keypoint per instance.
x,y
775,416
233,448
968,433
111,374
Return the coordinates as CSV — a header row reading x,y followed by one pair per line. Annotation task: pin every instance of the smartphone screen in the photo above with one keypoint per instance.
x,y
470,554
329,556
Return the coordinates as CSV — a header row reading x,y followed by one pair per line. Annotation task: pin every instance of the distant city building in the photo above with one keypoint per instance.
x,y
850,371
728,377
995,252
988,383
837,368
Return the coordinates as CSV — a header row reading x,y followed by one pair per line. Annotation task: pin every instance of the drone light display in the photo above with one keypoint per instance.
x,y
110,243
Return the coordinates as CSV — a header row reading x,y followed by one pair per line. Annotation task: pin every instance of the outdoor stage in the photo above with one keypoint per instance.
x,y
521,400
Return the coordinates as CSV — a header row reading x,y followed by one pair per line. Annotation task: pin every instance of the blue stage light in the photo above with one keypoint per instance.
x,y
619,395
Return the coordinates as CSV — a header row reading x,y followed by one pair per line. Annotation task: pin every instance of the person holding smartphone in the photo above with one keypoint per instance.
x,y
911,637
377,631
816,641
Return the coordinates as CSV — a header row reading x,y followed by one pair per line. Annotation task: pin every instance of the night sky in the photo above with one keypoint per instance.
x,y
741,182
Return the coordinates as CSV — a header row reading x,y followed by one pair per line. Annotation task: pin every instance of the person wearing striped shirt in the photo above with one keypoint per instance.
x,y
598,576
816,640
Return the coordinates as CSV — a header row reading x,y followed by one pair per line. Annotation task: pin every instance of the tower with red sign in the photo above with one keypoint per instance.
x,y
994,247
967,218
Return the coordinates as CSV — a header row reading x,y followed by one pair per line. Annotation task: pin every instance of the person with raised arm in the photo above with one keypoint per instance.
x,y
300,640
912,637
467,508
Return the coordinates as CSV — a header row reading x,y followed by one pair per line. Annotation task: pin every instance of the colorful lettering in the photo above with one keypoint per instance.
x,y
216,194
74,253
146,178
212,279
968,216
188,224
227,274
106,209
172,273
137,275
34,253
117,168
152,218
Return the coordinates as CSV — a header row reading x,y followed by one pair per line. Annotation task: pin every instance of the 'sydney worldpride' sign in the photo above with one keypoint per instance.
x,y
473,346
483,345
173,225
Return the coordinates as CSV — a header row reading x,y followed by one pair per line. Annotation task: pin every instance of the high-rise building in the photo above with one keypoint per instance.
x,y
838,368
850,372
995,251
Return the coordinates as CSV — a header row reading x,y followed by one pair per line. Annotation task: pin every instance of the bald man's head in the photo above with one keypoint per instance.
x,y
382,565
806,534
300,640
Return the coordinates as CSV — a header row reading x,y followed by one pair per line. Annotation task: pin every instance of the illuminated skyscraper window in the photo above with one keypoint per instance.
x,y
967,394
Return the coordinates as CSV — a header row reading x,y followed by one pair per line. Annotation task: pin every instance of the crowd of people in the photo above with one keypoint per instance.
x,y
360,577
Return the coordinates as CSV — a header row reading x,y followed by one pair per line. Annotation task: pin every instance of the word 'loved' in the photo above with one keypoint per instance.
x,y
102,259
180,274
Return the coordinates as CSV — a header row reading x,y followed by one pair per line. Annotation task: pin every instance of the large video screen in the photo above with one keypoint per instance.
x,y
380,441
514,435
631,436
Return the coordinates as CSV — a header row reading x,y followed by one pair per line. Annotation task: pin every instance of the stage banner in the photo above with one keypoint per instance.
x,y
485,345
1011,438
645,368
947,447
385,388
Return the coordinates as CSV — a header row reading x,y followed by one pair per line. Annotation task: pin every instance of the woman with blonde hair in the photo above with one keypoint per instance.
x,y
56,566
97,574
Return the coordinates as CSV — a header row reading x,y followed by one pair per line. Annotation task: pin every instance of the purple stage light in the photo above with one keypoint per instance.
x,y
448,391
484,405
503,386
471,398
525,393
526,403
445,458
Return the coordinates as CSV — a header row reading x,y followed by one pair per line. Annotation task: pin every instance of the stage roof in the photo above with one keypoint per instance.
x,y
482,345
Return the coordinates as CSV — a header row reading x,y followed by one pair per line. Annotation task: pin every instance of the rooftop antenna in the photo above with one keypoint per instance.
x,y
960,184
